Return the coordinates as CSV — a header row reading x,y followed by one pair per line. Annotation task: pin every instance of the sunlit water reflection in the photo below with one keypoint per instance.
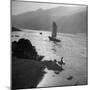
x,y
73,47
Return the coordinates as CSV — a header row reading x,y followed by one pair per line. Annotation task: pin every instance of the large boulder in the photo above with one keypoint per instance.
x,y
23,49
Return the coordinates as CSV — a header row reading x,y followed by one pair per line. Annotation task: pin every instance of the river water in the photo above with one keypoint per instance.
x,y
73,48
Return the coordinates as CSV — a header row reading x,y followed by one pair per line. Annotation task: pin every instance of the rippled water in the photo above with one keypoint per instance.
x,y
73,47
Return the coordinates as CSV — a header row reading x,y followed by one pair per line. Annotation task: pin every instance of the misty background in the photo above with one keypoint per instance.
x,y
33,22
39,16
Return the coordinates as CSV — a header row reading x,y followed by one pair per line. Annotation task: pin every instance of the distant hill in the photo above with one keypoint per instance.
x,y
15,29
69,20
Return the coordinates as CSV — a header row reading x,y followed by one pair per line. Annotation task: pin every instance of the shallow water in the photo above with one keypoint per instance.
x,y
73,47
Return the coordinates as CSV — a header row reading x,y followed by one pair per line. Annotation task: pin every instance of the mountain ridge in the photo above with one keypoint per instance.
x,y
42,19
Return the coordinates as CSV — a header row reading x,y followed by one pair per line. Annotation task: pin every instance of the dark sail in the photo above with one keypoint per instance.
x,y
54,31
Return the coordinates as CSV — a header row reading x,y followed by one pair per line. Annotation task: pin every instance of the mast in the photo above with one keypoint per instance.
x,y
54,31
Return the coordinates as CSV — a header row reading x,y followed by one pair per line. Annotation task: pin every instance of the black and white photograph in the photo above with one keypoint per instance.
x,y
49,44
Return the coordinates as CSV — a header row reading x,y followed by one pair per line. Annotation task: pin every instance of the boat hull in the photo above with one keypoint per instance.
x,y
54,39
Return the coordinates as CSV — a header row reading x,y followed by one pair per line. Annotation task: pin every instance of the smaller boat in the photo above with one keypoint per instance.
x,y
54,34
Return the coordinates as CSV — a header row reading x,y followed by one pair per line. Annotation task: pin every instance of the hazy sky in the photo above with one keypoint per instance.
x,y
21,7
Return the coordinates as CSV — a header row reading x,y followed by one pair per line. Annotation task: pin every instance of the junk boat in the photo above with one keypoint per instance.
x,y
54,33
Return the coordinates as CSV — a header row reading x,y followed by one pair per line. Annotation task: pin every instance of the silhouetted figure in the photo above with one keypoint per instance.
x,y
61,62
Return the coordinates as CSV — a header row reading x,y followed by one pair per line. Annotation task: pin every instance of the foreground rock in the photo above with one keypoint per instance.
x,y
27,65
26,73
24,49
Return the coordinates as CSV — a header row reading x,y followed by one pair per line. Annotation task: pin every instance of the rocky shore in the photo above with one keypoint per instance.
x,y
27,65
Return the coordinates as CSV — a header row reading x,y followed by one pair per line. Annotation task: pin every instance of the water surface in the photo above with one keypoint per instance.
x,y
73,47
